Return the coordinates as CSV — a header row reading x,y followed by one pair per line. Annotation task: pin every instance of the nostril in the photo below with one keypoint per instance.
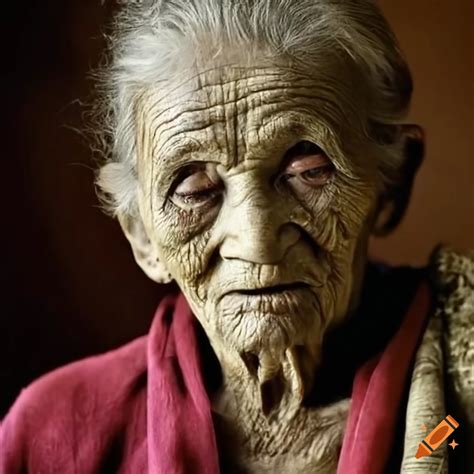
x,y
251,362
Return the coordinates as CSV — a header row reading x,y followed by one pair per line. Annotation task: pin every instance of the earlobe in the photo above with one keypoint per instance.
x,y
394,202
143,251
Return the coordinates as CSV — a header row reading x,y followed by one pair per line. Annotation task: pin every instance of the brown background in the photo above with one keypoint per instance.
x,y
70,285
438,40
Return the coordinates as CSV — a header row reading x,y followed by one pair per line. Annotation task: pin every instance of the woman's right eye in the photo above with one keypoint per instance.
x,y
196,189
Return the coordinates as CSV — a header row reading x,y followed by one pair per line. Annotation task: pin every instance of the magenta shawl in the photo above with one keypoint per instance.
x,y
144,409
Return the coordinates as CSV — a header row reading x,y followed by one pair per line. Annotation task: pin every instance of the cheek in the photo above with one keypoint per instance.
x,y
179,236
338,215
352,213
355,205
182,242
338,224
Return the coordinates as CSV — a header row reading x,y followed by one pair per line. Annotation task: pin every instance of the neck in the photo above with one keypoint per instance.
x,y
262,425
273,383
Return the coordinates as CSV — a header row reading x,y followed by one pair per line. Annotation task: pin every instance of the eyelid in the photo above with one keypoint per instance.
x,y
304,163
203,183
186,172
202,189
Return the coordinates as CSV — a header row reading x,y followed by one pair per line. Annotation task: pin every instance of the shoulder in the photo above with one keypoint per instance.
x,y
106,375
452,276
73,401
452,271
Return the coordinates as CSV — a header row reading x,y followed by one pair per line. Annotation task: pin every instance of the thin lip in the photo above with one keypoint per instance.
x,y
269,290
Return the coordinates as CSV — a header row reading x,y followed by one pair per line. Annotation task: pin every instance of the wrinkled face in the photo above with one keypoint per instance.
x,y
257,192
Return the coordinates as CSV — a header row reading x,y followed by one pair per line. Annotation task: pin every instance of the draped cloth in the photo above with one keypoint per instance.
x,y
144,407
377,394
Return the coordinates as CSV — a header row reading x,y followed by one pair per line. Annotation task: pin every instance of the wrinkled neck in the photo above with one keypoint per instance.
x,y
273,383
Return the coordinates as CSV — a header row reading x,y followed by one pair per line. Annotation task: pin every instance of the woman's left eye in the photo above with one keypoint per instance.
x,y
317,176
313,170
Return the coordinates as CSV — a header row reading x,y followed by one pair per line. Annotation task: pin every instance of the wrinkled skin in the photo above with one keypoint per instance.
x,y
265,236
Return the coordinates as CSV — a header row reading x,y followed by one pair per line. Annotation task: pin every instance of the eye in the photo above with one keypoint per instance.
x,y
308,165
196,186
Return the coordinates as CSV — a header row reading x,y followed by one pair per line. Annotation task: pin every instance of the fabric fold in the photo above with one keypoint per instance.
x,y
377,394
181,436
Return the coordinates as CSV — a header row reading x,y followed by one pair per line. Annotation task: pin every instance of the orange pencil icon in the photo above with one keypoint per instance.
x,y
436,437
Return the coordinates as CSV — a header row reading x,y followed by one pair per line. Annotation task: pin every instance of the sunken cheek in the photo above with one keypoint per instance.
x,y
187,235
185,225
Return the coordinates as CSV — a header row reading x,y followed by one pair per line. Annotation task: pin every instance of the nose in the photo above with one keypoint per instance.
x,y
256,231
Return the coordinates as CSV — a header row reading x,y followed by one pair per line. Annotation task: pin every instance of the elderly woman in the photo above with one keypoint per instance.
x,y
252,147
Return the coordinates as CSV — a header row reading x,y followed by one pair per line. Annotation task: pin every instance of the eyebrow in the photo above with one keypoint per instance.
x,y
182,146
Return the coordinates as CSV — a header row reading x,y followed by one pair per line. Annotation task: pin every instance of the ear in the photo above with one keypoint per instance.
x,y
142,248
393,203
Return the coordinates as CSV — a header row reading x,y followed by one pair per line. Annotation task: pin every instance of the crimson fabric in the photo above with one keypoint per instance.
x,y
139,409
143,408
377,394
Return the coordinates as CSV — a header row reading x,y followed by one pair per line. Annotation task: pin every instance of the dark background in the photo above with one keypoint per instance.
x,y
70,286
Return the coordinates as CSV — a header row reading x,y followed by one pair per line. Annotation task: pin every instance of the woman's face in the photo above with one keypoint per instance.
x,y
257,192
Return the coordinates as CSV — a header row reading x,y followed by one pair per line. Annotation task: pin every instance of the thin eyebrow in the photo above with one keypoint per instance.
x,y
174,150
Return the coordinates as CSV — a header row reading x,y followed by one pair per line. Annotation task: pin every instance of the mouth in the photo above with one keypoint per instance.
x,y
274,299
273,290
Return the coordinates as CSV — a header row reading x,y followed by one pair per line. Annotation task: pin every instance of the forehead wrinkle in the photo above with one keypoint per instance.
x,y
201,87
180,147
259,80
153,113
200,74
253,84
229,120
205,78
291,90
218,114
301,86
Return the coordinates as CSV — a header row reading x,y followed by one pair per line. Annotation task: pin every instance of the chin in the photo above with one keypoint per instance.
x,y
269,323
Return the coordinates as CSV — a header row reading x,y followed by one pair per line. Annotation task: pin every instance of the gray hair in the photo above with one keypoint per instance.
x,y
148,36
